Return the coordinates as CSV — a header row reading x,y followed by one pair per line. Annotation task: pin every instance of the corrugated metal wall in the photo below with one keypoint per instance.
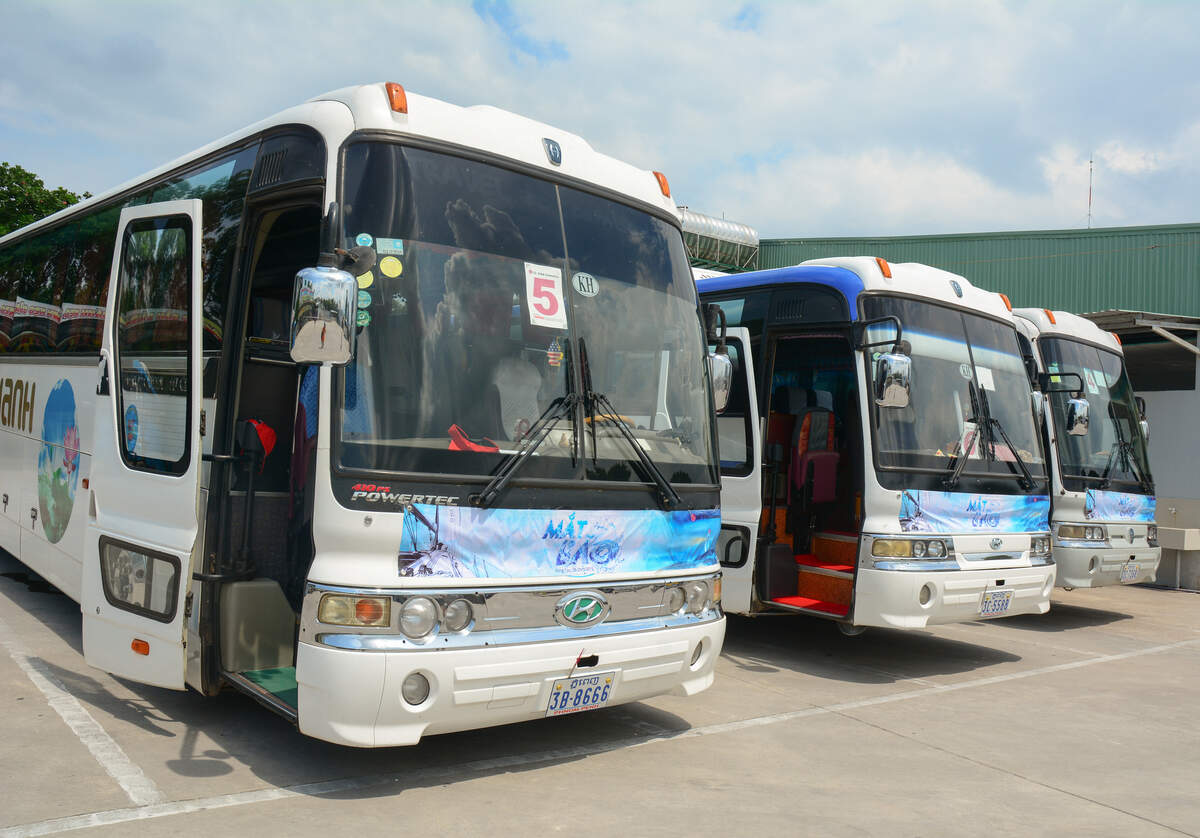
x,y
1135,268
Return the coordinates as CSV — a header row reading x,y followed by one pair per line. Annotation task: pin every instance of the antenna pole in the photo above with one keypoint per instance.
x,y
1089,192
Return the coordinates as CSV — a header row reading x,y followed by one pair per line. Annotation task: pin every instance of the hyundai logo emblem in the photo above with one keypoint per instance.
x,y
554,153
997,543
1131,534
957,288
582,609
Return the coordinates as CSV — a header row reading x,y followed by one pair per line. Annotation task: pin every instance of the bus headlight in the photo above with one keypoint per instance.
x,y
418,616
457,616
1039,546
1081,532
676,599
1152,535
347,610
697,596
909,548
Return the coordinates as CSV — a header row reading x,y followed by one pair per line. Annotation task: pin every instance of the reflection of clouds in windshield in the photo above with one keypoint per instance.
x,y
475,309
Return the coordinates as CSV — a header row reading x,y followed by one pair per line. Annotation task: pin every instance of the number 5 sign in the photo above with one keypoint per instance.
x,y
543,290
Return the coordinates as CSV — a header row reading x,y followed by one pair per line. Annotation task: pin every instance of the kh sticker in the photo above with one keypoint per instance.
x,y
363,239
364,299
391,266
395,247
585,284
366,280
965,371
363,319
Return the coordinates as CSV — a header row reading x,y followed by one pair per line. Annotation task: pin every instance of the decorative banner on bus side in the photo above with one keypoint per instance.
x,y
521,543
1100,505
964,512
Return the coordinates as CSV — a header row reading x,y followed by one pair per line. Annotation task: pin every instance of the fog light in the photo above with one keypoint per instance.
x,y
415,688
926,594
418,616
457,615
696,654
676,599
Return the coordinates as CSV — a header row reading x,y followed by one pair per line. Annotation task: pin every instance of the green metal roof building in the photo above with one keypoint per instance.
x,y
1133,268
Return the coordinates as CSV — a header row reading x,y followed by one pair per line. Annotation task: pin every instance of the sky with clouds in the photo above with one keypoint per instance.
x,y
798,118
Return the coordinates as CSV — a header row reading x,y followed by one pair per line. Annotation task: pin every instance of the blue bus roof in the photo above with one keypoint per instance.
x,y
842,280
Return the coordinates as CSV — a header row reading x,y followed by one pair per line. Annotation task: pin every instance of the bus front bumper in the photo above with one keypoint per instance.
x,y
1095,567
915,599
353,697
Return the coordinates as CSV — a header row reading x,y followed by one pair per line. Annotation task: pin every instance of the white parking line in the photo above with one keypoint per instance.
x,y
141,789
448,773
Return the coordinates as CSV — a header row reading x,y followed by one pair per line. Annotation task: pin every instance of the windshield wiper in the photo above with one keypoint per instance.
x,y
668,497
1027,481
960,462
1125,449
559,408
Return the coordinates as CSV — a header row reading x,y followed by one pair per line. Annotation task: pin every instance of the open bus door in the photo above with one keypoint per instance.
x,y
740,441
146,456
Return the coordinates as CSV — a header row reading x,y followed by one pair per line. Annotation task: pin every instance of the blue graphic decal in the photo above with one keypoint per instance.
x,y
58,461
518,543
363,239
131,428
1100,505
962,512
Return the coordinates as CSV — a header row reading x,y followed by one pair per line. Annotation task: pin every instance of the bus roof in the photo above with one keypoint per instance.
x,y
1068,325
852,275
366,107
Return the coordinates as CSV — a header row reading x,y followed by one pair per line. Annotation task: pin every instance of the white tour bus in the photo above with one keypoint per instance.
x,y
880,462
1102,498
390,413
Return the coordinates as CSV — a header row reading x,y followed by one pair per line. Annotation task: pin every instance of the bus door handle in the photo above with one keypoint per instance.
x,y
102,385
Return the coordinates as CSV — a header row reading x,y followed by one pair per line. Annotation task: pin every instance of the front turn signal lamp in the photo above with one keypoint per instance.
x,y
347,610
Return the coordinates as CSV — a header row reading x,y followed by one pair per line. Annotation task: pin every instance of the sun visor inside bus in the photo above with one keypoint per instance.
x,y
289,157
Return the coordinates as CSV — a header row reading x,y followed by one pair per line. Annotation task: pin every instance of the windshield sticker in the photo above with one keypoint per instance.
x,y
363,239
554,354
965,512
366,280
393,247
363,318
963,369
1052,366
1099,505
391,266
585,284
543,288
466,542
364,299
984,374
969,441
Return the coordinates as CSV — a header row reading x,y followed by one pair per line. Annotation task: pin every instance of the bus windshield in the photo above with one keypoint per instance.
x,y
970,395
489,291
1113,450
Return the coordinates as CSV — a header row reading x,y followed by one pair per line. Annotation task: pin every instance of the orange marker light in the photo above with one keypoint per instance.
x,y
368,611
397,98
884,267
1050,315
1007,304
141,647
662,184
1116,337
85,482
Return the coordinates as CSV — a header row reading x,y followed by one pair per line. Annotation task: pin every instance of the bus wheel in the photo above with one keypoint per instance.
x,y
851,630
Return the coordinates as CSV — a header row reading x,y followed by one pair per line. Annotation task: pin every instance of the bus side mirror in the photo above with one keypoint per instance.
x,y
1039,405
324,307
1077,417
1145,426
720,372
1141,407
893,374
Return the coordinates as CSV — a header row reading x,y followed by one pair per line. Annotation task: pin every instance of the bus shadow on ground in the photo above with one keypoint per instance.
x,y
816,647
1064,617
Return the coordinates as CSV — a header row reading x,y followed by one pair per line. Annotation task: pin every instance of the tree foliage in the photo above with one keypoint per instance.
x,y
24,198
